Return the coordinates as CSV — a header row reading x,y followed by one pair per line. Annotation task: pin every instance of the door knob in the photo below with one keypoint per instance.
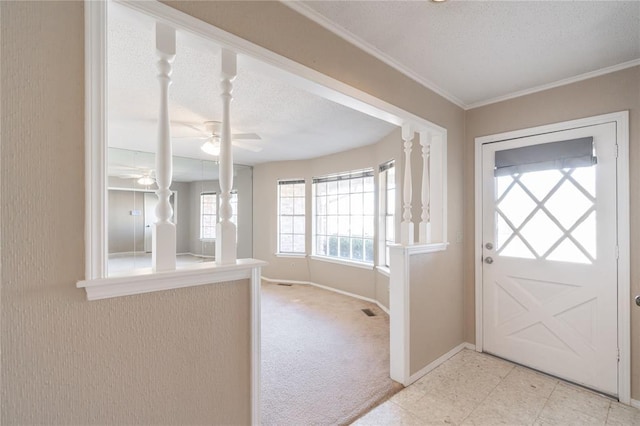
x,y
488,260
638,300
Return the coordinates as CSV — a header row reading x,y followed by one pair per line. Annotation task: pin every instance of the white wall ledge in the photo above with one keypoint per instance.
x,y
147,281
294,255
419,248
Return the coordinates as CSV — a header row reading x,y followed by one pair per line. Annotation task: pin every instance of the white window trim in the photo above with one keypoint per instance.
x,y
314,216
211,239
382,260
285,253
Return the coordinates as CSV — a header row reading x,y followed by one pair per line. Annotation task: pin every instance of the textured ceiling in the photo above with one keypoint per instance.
x,y
293,124
476,52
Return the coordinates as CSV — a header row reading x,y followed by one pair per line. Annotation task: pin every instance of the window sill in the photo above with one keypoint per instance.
x,y
147,281
207,240
384,270
344,262
296,255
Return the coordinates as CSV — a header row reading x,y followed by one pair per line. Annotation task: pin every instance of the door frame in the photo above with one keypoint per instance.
x,y
623,231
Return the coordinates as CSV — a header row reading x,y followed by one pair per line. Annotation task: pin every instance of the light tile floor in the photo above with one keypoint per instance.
x,y
478,389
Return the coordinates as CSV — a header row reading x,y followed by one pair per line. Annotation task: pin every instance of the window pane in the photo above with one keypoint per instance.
x,y
286,190
356,204
332,204
299,244
321,225
321,188
298,205
343,187
357,185
368,184
368,226
357,249
321,205
356,226
286,243
332,188
332,225
286,205
391,202
345,249
291,217
321,246
298,190
390,228
286,224
298,225
368,250
343,204
333,246
343,225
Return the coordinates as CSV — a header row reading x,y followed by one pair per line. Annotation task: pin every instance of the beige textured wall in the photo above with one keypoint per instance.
x,y
609,93
175,357
436,323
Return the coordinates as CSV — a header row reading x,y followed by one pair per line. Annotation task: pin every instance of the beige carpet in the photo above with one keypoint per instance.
x,y
324,362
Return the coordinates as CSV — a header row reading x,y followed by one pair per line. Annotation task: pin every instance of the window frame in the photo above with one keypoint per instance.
x,y
202,214
280,183
337,177
383,212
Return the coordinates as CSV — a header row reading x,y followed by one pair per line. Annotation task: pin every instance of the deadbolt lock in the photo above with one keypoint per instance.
x,y
489,246
638,300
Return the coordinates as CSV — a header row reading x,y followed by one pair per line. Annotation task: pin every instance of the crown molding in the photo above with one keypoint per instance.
x,y
563,82
319,19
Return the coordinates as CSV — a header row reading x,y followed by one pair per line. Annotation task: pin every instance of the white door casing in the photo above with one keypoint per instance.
x,y
550,294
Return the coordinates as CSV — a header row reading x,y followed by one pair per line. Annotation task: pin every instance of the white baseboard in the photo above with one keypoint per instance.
x,y
635,403
335,290
204,256
469,346
434,364
128,253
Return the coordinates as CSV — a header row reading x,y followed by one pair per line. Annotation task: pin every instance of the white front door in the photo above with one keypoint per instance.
x,y
549,275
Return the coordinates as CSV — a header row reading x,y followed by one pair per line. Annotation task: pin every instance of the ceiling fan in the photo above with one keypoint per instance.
x,y
143,175
212,139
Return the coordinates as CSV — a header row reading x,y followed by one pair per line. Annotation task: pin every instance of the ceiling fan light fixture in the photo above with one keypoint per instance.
x,y
146,180
211,148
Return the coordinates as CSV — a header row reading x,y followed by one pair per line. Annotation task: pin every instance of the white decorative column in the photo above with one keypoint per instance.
x,y
164,231
406,227
424,231
226,230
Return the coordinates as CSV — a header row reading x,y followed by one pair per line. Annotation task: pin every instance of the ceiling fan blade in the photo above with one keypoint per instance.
x,y
245,136
247,146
